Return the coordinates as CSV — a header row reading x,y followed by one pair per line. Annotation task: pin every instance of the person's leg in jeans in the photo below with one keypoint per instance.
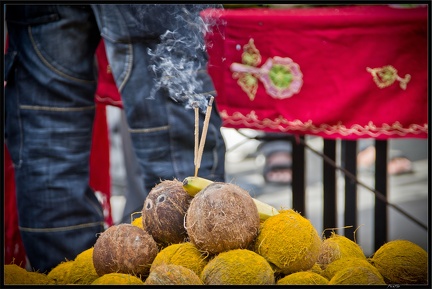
x,y
50,108
162,130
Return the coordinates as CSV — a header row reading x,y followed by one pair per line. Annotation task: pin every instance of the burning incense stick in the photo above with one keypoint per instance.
x,y
196,108
203,136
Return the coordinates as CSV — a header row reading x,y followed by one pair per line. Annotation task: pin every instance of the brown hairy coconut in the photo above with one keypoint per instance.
x,y
164,210
222,217
124,248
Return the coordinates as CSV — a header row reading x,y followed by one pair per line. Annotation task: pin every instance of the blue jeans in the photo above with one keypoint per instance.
x,y
49,98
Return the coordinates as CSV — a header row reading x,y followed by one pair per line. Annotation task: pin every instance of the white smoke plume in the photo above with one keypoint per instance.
x,y
181,53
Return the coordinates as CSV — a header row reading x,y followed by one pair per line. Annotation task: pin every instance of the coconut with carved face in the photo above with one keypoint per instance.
x,y
163,212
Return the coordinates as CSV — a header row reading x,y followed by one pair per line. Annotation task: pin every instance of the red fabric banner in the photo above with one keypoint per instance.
x,y
106,92
13,248
337,72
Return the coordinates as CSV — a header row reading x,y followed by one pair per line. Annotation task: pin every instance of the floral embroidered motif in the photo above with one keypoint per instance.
x,y
251,120
386,75
248,83
280,75
251,55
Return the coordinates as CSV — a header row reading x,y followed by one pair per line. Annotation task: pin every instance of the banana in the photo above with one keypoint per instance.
x,y
265,211
193,185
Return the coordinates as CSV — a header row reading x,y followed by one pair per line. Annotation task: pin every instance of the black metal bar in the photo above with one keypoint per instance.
x,y
349,162
380,213
329,186
298,176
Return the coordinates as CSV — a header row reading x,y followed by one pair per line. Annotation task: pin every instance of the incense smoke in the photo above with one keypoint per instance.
x,y
181,54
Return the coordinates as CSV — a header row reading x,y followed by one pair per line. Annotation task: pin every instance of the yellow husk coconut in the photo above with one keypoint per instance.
x,y
303,278
60,273
183,254
82,270
336,247
222,217
238,267
289,241
172,275
316,268
356,276
401,262
16,275
343,263
118,279
40,278
138,222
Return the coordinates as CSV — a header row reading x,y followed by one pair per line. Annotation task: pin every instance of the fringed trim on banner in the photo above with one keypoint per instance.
x,y
251,120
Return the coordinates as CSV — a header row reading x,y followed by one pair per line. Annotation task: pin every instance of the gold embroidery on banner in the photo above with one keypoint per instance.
x,y
280,75
251,55
281,124
387,75
248,83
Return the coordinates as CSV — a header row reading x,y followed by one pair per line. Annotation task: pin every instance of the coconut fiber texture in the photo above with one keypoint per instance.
x,y
343,263
16,275
356,276
124,248
222,217
164,210
184,254
82,270
336,247
118,279
303,278
289,241
238,267
172,275
402,262
60,273
316,268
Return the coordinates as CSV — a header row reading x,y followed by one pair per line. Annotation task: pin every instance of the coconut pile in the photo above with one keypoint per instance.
x,y
216,238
